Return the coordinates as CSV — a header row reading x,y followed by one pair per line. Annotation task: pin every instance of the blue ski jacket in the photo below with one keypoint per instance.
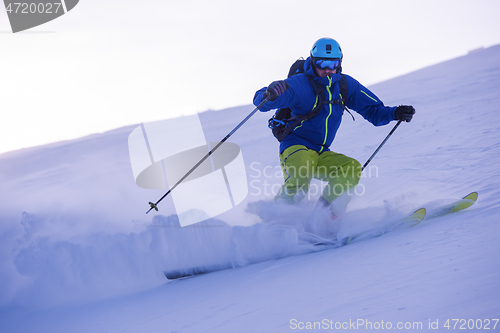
x,y
318,133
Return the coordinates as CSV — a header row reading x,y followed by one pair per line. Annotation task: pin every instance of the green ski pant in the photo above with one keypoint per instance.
x,y
300,164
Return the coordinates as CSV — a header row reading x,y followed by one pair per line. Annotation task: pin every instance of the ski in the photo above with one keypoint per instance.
x,y
456,206
189,272
310,239
412,219
406,222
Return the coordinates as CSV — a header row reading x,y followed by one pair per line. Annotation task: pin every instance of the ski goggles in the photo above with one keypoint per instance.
x,y
327,63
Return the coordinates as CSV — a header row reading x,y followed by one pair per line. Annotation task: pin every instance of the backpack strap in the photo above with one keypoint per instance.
x,y
344,94
320,97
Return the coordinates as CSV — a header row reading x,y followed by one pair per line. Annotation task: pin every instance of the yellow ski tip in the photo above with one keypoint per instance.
x,y
473,196
418,214
466,202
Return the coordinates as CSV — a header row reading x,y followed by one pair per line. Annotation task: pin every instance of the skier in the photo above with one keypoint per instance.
x,y
304,152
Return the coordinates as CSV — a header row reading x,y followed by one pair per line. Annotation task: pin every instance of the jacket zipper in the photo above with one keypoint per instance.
x,y
330,112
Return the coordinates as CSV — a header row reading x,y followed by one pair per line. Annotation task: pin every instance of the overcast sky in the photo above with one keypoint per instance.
x,y
112,63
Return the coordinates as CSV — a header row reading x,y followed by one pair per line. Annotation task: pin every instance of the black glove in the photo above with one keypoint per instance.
x,y
404,112
275,89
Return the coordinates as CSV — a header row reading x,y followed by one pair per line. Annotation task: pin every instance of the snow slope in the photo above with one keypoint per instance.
x,y
78,254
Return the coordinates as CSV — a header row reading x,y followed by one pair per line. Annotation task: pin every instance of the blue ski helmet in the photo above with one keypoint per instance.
x,y
326,48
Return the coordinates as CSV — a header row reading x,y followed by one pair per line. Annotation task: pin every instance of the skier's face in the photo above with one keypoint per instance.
x,y
325,72
325,67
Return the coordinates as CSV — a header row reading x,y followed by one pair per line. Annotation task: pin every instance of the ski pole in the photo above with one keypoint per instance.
x,y
383,142
154,205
